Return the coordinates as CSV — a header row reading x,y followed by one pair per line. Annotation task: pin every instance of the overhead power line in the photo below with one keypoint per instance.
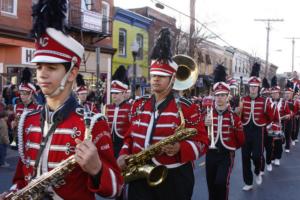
x,y
161,5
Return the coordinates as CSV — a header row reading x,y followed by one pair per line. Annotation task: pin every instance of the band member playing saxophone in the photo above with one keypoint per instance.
x,y
226,135
158,116
58,131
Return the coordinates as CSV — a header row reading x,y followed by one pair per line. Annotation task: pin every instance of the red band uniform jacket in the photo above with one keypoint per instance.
x,y
228,129
259,110
61,145
138,135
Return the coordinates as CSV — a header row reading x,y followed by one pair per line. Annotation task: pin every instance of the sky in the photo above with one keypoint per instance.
x,y
233,21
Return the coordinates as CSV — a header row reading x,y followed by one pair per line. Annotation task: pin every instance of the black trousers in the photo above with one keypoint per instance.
x,y
118,143
252,149
278,148
178,185
287,128
269,146
218,169
295,129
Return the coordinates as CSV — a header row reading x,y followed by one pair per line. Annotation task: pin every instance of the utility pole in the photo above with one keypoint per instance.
x,y
192,27
268,39
293,49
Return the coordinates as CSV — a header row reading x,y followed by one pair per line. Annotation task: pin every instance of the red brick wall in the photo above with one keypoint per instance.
x,y
22,22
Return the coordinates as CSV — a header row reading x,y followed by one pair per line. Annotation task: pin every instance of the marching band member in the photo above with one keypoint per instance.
x,y
26,91
234,97
82,93
265,93
154,118
255,114
288,121
297,117
275,134
227,133
51,135
117,113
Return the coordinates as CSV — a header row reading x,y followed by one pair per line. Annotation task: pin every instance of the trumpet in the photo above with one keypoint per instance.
x,y
210,128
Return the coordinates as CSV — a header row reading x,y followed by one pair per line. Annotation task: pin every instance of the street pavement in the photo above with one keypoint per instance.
x,y
281,184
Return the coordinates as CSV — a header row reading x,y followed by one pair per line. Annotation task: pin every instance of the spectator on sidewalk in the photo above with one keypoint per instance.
x,y
4,140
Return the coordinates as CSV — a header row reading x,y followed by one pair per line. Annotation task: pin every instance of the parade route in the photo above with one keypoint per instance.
x,y
280,184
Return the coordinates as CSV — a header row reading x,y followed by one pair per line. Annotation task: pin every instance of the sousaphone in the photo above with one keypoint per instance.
x,y
187,72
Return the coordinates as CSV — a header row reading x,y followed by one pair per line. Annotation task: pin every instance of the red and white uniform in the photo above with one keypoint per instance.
x,y
61,144
118,117
259,110
228,129
281,110
167,120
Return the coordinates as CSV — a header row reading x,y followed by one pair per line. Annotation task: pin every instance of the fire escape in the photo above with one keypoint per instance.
x,y
92,26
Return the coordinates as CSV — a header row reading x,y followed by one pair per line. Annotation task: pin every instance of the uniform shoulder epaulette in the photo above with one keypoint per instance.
x,y
142,98
95,118
30,113
185,101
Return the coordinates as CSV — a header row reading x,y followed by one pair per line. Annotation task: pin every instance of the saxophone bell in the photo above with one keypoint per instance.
x,y
154,175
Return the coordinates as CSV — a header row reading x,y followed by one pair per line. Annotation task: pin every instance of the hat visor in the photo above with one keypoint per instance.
x,y
116,91
221,92
274,91
254,84
48,59
159,73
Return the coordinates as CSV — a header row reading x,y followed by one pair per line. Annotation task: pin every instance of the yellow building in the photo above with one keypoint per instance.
x,y
127,28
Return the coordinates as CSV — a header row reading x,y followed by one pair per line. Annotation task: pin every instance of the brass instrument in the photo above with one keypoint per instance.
x,y
35,189
187,72
210,128
137,166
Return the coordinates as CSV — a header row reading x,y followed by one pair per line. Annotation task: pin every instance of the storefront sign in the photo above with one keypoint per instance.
x,y
27,55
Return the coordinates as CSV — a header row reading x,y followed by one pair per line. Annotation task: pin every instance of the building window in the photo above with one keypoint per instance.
x,y
140,41
122,42
9,7
86,4
207,59
105,17
200,57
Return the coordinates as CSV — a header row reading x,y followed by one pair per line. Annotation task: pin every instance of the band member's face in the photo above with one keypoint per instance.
x,y
49,76
159,84
275,95
221,99
288,95
117,98
253,90
25,96
82,97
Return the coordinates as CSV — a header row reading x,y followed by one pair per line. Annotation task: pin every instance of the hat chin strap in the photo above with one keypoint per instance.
x,y
63,82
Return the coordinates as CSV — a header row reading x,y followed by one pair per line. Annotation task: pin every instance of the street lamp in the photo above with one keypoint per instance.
x,y
134,49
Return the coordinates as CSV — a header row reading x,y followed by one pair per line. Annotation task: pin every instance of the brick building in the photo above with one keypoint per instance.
x,y
89,22
159,20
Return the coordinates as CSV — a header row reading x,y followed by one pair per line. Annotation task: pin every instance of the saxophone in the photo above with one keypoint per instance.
x,y
137,166
37,187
